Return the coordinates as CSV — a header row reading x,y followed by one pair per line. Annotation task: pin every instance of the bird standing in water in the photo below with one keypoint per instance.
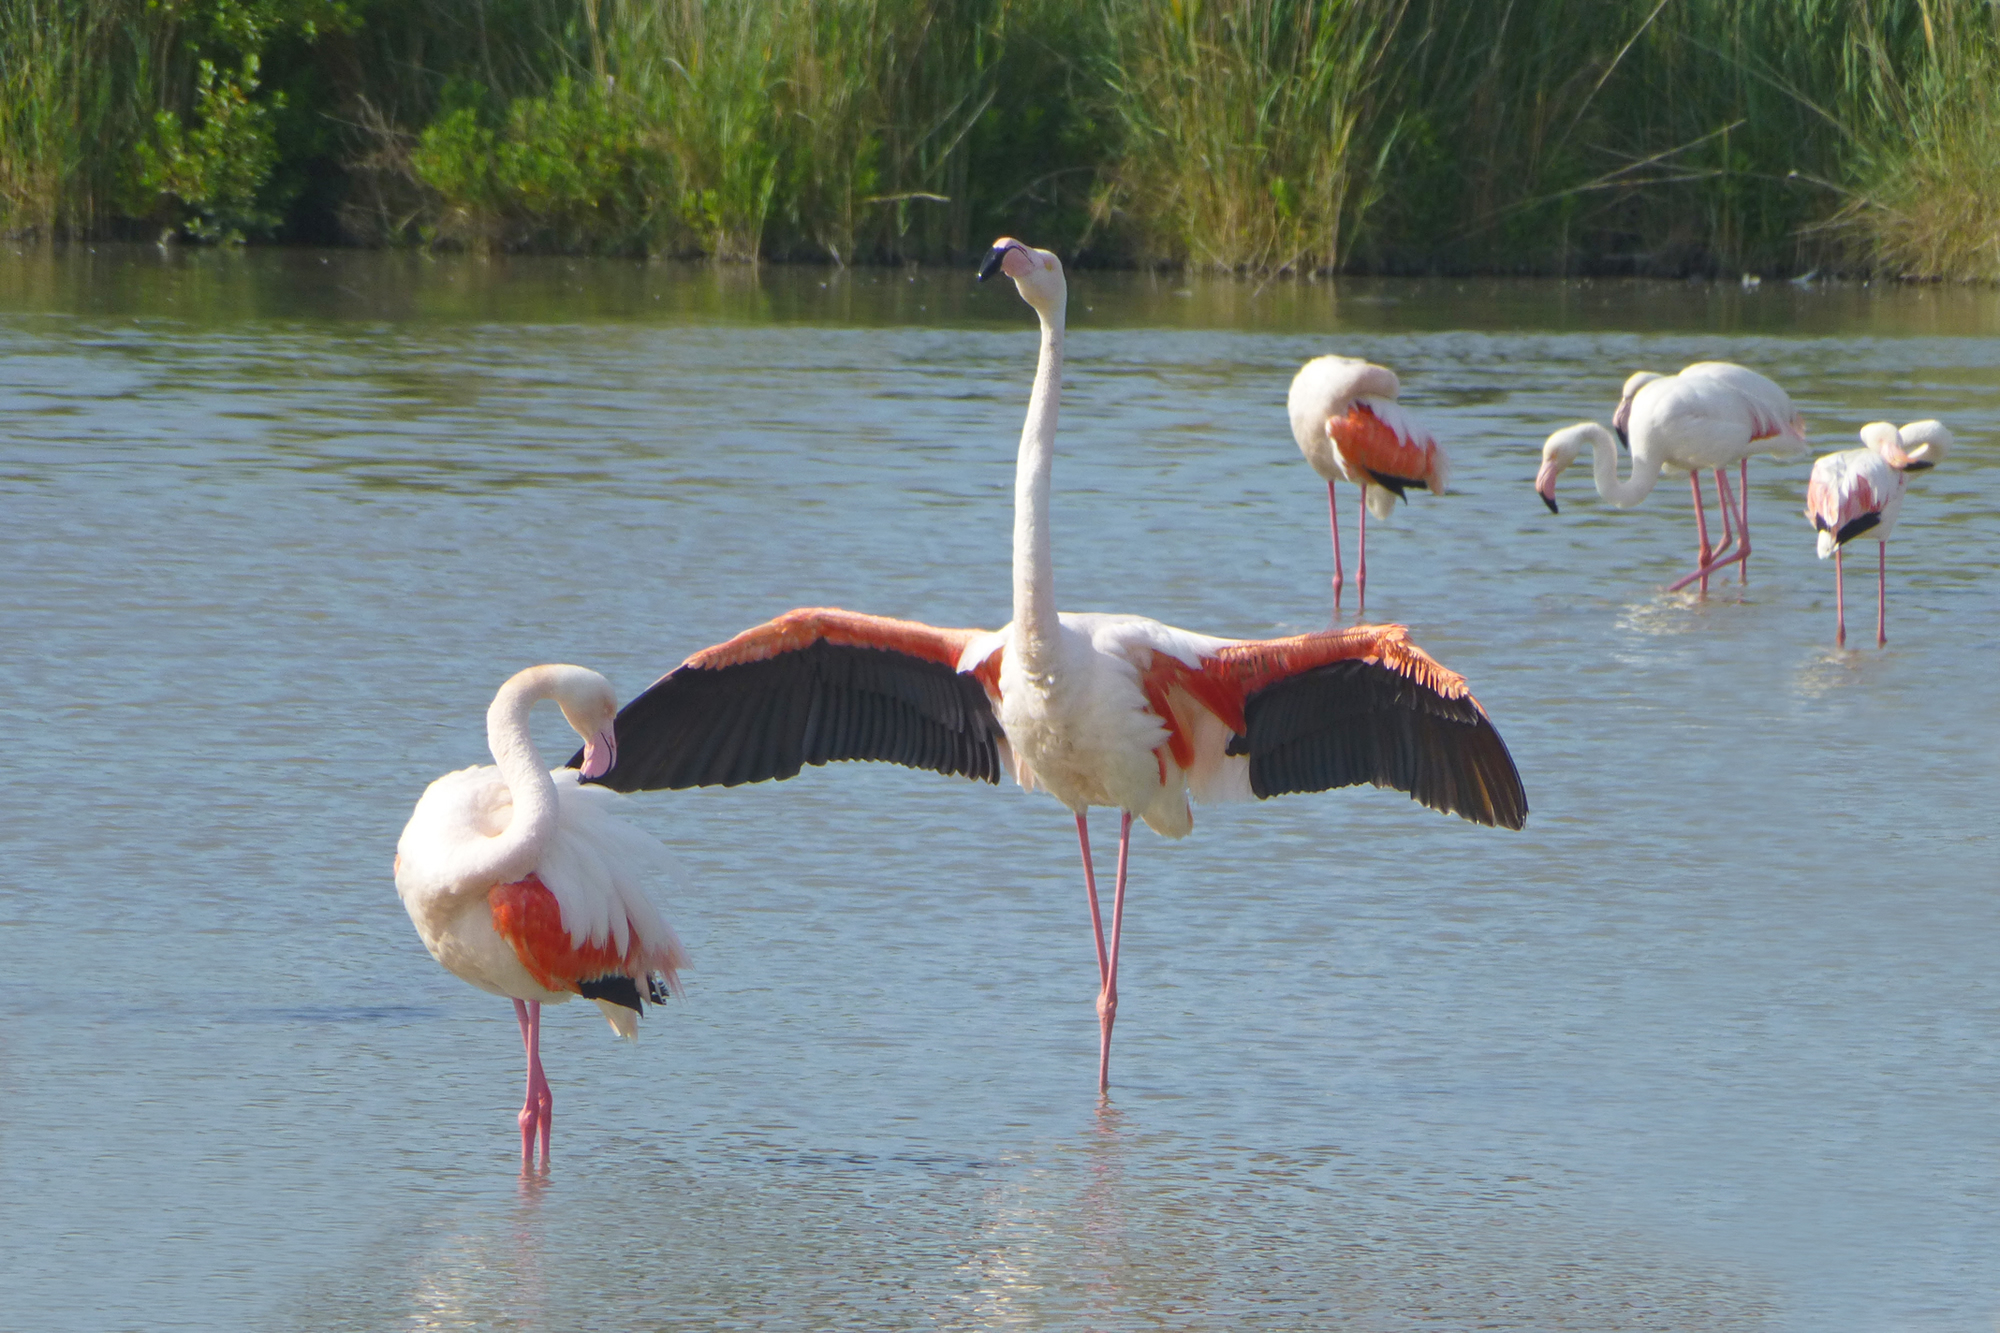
x,y
1095,709
1859,492
529,885
1350,428
1710,415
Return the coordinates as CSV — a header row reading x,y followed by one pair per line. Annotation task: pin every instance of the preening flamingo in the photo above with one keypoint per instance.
x,y
1860,491
1710,415
1105,710
528,885
1350,428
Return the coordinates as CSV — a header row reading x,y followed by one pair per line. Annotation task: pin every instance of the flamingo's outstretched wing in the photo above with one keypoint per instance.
x,y
1335,709
814,686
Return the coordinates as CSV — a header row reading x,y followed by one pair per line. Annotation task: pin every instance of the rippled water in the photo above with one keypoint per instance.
x,y
1714,1044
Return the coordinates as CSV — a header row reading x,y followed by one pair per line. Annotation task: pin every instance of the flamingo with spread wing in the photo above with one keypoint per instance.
x,y
1096,710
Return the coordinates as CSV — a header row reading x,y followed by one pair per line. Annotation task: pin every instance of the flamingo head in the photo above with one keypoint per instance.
x,y
591,708
1925,442
1037,273
1621,420
1560,451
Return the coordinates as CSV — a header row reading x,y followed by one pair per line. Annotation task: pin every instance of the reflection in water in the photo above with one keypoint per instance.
x,y
1107,1281
1695,1051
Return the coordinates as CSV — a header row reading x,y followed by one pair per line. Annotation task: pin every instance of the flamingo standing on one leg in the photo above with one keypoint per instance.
x,y
528,885
1105,710
1710,415
1860,491
1350,428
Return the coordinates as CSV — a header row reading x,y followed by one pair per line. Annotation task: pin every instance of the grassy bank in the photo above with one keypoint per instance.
x,y
1646,136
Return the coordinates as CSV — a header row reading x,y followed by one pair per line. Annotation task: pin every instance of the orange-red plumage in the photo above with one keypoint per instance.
x,y
851,629
1369,445
529,918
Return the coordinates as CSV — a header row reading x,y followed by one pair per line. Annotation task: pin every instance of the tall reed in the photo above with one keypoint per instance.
x,y
1243,127
47,96
1927,171
829,128
1643,136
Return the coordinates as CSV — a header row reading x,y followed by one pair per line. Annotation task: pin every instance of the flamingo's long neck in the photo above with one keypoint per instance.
x,y
1036,628
514,853
1604,469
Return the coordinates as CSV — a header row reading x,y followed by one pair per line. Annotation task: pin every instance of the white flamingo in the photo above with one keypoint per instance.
x,y
1105,710
1710,415
1350,428
528,885
1859,492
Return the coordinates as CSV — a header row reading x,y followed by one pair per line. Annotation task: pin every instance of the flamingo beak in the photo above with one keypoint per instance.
x,y
600,754
991,264
1545,485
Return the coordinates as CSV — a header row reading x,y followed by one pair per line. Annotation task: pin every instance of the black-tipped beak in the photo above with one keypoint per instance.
x,y
1550,501
991,264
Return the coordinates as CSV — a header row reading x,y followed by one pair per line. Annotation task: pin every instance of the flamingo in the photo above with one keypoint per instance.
x,y
1710,415
1350,428
1860,491
527,884
1096,710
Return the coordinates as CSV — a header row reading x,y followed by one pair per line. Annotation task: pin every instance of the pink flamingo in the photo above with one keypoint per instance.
x,y
1710,415
1096,710
528,885
1350,428
1860,491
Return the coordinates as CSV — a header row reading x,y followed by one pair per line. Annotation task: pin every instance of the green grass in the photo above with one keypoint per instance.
x,y
1300,136
1926,202
46,90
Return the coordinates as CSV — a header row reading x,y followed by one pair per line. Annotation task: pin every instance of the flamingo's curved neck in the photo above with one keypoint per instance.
x,y
1035,625
513,854
1604,469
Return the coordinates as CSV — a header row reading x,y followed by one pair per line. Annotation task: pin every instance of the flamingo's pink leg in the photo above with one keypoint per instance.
x,y
1736,543
1881,638
1737,535
1333,520
538,1111
1743,522
1701,531
1090,891
1107,1000
1723,499
1839,602
1361,557
1723,555
529,1117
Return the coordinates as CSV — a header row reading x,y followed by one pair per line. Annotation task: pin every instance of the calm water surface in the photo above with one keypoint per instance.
x,y
1713,1045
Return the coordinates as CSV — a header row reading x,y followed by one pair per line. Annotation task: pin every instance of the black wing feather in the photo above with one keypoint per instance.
x,y
756,721
1350,722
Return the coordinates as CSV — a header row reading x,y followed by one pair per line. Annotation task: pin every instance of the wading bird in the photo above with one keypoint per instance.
x,y
528,885
1860,492
1104,710
1350,428
1710,415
